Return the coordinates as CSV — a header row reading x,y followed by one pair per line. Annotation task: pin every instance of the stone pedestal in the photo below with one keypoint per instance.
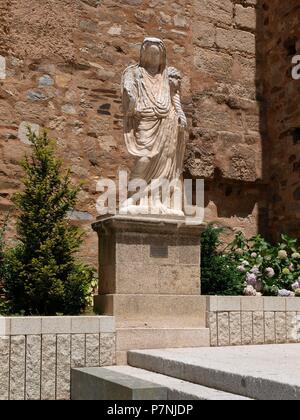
x,y
149,279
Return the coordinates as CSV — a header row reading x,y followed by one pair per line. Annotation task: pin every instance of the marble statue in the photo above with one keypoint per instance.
x,y
154,121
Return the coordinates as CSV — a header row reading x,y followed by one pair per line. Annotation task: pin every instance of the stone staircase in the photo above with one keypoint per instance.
x,y
130,383
177,389
231,373
256,372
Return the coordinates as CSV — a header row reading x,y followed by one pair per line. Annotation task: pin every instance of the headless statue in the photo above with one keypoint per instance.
x,y
154,122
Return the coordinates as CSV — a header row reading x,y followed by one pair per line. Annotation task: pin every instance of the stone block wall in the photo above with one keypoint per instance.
x,y
37,354
226,119
279,37
235,321
227,138
66,76
64,63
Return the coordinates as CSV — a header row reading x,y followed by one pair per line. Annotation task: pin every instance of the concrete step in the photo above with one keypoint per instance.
x,y
257,372
157,338
100,384
154,311
176,388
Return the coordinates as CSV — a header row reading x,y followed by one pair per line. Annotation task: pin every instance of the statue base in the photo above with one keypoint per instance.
x,y
149,280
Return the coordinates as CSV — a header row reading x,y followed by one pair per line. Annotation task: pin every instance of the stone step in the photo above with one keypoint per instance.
x,y
157,338
154,311
257,372
176,388
100,384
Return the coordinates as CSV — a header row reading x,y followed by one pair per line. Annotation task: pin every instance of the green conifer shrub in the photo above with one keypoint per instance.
x,y
4,304
44,277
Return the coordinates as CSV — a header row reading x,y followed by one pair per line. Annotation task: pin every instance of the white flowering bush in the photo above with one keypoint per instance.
x,y
266,269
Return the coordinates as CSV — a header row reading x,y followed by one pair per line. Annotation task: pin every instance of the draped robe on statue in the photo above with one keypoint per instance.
x,y
152,128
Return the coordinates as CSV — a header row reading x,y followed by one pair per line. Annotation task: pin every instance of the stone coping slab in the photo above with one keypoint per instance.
x,y
10,326
252,304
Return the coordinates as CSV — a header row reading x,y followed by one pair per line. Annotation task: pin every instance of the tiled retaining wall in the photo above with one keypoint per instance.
x,y
237,321
37,354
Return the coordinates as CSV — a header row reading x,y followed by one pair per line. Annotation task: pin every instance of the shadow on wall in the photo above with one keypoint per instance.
x,y
263,204
278,34
241,198
276,195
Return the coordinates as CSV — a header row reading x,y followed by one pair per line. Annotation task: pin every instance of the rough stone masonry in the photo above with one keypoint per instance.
x,y
63,65
279,37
